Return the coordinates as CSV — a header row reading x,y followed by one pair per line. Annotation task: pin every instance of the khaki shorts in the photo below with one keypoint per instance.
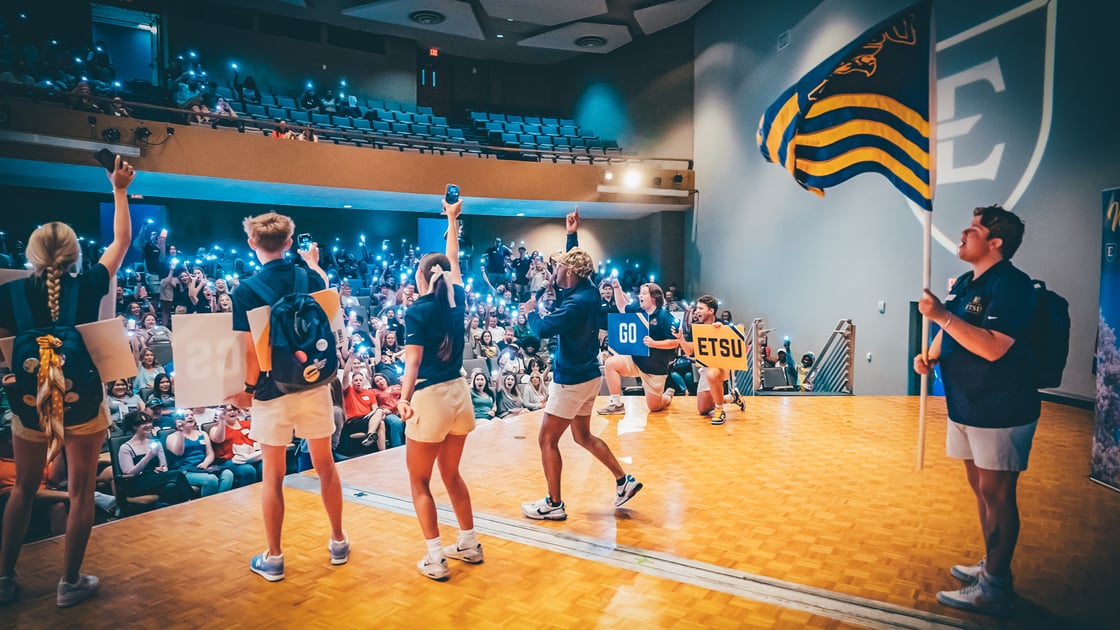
x,y
307,414
99,424
651,383
442,409
572,401
991,449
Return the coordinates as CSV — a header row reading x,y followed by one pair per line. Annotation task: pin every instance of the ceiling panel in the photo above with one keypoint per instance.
x,y
660,16
451,17
565,38
548,13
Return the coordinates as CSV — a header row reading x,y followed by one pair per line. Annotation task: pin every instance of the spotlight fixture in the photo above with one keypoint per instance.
x,y
608,176
590,41
111,135
142,133
427,17
632,178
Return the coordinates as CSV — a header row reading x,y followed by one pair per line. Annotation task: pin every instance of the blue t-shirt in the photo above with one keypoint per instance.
x,y
424,326
280,276
660,328
992,394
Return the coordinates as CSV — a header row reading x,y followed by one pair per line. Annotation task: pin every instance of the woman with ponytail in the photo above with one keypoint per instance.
x,y
54,254
435,402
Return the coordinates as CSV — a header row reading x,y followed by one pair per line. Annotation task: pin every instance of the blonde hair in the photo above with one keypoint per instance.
x,y
52,251
577,260
271,230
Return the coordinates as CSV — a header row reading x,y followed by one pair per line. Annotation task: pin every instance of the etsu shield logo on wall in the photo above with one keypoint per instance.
x,y
1109,251
995,81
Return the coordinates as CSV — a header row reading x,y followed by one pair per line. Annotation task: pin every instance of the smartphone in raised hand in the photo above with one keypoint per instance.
x,y
452,194
305,241
107,158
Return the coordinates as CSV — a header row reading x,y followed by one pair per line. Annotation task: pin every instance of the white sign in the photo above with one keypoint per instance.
x,y
108,348
209,359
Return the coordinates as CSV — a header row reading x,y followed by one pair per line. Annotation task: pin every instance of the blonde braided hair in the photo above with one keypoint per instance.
x,y
52,250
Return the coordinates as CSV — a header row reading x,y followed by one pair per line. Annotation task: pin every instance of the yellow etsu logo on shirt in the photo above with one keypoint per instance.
x,y
976,306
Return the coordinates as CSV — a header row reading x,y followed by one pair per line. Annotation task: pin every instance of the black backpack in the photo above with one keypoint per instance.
x,y
84,389
304,352
1050,335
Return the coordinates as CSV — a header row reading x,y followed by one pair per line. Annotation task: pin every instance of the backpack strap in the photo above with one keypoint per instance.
x,y
21,308
301,279
262,290
68,313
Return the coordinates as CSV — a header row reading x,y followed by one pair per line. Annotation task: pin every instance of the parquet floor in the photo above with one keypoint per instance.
x,y
813,491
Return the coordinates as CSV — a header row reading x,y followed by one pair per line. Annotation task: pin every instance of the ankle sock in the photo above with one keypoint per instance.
x,y
552,503
621,480
435,551
615,399
467,539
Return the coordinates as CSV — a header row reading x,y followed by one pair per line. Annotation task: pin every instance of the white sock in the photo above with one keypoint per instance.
x,y
467,539
615,399
435,551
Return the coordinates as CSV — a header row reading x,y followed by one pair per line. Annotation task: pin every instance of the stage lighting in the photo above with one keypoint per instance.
x,y
111,135
142,133
632,178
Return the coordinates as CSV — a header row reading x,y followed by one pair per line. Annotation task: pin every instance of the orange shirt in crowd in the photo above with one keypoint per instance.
x,y
358,402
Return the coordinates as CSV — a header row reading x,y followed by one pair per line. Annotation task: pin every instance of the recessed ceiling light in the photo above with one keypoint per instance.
x,y
509,19
520,214
427,17
347,206
500,36
590,41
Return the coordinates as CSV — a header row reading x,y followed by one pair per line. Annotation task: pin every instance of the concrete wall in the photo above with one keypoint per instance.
x,y
770,249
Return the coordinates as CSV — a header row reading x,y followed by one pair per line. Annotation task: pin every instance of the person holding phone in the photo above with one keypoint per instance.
x,y
435,402
53,252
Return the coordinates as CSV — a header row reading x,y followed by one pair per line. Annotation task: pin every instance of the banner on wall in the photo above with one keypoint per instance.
x,y
1105,466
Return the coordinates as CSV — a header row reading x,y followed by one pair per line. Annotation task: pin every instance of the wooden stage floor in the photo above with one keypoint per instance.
x,y
799,512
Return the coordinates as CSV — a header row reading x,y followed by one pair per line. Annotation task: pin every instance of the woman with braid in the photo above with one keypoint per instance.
x,y
435,403
53,252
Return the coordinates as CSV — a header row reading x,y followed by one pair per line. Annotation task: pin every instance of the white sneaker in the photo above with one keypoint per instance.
x,y
543,511
435,570
968,573
982,596
626,491
470,555
612,409
73,594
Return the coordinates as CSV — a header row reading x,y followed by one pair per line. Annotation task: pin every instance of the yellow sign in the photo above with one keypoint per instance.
x,y
723,347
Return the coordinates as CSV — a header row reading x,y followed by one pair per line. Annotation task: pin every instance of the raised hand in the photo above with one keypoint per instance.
x,y
572,221
122,174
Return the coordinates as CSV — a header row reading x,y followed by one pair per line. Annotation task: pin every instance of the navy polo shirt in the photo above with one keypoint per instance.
x,y
279,275
424,326
1000,393
660,329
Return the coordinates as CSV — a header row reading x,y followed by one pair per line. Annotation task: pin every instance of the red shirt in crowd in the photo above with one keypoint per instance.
x,y
358,402
223,451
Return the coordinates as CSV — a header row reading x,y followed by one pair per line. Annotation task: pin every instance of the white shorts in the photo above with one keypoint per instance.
x,y
991,449
442,409
702,380
572,401
308,414
651,383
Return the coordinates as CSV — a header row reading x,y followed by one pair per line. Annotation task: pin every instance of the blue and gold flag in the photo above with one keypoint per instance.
x,y
865,109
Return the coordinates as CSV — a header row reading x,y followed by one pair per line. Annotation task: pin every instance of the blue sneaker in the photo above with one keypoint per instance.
x,y
270,568
340,550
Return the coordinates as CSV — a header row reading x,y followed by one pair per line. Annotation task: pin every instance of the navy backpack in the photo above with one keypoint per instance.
x,y
84,391
304,353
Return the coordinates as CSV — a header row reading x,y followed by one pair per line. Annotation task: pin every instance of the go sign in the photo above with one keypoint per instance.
x,y
625,332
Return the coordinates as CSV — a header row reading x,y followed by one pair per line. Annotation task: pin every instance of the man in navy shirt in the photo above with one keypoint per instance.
x,y
990,376
575,376
278,416
662,343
